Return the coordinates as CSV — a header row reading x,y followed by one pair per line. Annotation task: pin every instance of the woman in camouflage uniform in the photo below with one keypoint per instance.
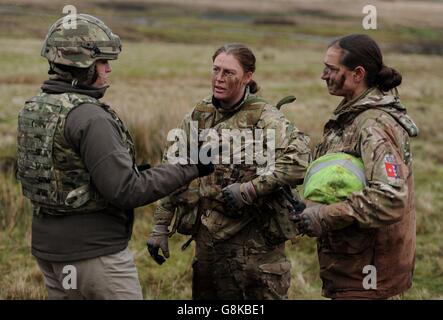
x,y
237,216
366,244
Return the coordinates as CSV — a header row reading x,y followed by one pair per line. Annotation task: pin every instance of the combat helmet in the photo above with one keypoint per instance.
x,y
74,43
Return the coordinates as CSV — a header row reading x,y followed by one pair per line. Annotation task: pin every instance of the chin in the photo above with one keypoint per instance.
x,y
334,93
218,96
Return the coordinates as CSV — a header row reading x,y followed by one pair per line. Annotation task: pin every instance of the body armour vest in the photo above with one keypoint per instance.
x,y
201,201
245,117
52,174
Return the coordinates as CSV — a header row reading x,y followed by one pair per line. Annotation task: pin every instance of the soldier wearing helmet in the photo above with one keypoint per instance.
x,y
76,163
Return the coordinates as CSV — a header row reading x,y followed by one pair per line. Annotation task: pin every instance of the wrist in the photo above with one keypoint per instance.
x,y
248,193
160,229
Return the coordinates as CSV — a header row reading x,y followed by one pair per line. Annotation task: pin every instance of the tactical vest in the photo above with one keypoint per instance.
x,y
246,117
210,209
52,174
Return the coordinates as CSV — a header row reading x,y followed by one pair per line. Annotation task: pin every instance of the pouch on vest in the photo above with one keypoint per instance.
x,y
187,204
274,216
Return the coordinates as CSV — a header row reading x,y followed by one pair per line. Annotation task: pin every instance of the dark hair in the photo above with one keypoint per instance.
x,y
244,56
362,50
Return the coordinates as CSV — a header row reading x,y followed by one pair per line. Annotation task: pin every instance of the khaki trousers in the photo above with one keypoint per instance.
x,y
112,277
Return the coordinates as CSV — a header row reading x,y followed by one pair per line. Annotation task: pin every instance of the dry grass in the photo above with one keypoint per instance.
x,y
155,83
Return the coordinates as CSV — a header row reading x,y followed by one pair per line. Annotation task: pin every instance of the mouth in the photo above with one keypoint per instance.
x,y
218,89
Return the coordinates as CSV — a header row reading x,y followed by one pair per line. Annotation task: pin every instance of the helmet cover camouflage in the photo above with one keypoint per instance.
x,y
87,41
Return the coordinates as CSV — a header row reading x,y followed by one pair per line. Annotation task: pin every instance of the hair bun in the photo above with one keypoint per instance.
x,y
388,78
253,87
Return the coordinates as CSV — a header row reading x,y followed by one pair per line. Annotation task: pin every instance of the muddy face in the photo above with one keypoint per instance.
x,y
228,79
336,85
338,78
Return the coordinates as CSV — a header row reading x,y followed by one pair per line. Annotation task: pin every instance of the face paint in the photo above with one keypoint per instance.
x,y
228,79
335,85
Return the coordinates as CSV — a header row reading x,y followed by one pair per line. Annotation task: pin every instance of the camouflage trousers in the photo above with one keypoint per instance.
x,y
240,268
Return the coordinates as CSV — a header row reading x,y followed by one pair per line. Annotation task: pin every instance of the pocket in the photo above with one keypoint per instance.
x,y
187,220
278,268
275,222
222,227
276,278
351,240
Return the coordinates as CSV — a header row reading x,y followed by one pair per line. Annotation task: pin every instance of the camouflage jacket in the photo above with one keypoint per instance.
x,y
374,226
292,157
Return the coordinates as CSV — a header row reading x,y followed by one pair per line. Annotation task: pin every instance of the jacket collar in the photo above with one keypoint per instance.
x,y
60,86
233,108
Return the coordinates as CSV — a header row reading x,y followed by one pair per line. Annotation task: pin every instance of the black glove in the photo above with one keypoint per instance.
x,y
238,195
158,240
205,169
143,167
310,221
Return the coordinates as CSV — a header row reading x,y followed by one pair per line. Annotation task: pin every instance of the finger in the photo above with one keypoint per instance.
x,y
165,251
153,250
159,259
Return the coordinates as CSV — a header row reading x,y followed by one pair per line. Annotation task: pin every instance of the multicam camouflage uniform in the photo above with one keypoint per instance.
x,y
52,174
375,226
240,255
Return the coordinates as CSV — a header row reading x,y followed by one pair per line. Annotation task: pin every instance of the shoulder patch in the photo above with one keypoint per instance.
x,y
391,167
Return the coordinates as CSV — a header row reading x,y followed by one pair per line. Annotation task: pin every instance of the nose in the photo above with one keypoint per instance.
x,y
218,78
108,67
324,75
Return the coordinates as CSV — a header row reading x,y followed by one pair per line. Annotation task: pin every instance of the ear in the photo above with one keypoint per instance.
x,y
359,74
247,77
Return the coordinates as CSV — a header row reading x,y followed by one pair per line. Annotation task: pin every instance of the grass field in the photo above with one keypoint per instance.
x,y
164,70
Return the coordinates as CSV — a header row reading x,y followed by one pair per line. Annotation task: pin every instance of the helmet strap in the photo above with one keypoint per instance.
x,y
91,75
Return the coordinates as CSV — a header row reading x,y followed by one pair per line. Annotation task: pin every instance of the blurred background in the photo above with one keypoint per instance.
x,y
165,68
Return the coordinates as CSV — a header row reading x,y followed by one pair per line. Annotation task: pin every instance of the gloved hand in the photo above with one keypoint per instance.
x,y
310,221
143,167
238,195
159,240
205,169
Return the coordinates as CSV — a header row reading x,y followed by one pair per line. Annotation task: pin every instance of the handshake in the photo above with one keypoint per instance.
x,y
237,196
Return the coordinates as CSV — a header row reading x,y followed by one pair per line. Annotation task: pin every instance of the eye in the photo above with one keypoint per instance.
x,y
229,74
326,70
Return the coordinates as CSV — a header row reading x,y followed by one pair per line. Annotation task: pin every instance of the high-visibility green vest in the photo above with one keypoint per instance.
x,y
333,177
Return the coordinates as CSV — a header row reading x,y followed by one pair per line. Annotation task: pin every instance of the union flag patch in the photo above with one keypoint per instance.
x,y
391,167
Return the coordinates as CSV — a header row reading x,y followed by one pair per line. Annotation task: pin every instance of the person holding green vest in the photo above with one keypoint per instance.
x,y
76,163
364,225
238,215
333,177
